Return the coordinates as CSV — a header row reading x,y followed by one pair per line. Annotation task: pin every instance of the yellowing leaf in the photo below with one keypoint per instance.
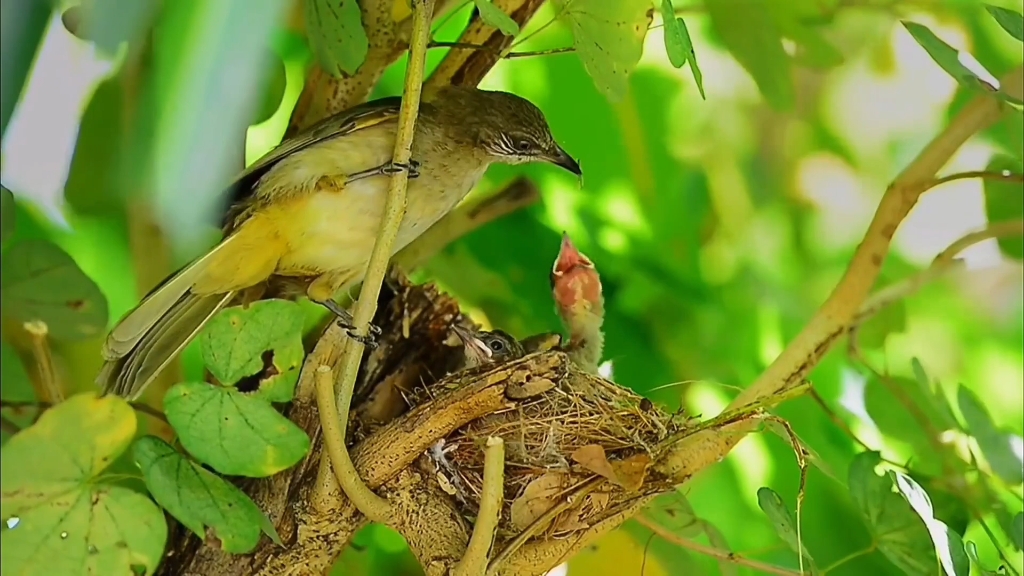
x,y
199,498
336,35
493,16
235,433
609,38
58,519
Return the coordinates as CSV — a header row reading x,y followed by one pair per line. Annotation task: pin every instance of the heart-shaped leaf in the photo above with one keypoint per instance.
x,y
235,433
200,499
58,519
42,283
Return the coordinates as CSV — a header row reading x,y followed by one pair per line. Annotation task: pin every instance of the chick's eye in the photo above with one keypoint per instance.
x,y
497,345
523,146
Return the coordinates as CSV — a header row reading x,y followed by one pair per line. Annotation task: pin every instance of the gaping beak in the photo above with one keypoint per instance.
x,y
475,348
562,158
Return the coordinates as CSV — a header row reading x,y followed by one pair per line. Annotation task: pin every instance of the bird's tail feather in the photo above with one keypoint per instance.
x,y
128,375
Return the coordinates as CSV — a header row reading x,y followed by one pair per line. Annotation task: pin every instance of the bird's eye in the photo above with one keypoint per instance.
x,y
523,146
497,345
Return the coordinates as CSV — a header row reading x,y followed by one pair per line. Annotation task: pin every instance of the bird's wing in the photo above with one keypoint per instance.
x,y
346,122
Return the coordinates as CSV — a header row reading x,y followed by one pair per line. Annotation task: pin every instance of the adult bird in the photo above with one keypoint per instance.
x,y
309,211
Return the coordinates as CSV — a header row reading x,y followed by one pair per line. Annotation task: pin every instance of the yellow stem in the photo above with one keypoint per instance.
x,y
474,563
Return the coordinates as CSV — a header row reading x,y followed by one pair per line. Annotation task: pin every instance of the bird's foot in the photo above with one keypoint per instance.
x,y
347,323
391,168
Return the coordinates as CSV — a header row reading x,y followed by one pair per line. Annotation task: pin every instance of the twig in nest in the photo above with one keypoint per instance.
x,y
47,387
474,563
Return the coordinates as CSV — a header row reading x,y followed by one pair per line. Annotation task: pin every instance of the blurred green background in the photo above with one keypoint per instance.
x,y
718,226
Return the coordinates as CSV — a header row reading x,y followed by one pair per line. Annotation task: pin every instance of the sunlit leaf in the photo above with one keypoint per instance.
x,y
891,416
948,545
901,535
676,44
1004,201
235,433
57,514
7,211
257,348
93,184
782,521
972,552
1017,531
890,319
609,38
749,32
21,29
199,498
948,58
1010,20
493,16
41,282
336,35
934,399
996,445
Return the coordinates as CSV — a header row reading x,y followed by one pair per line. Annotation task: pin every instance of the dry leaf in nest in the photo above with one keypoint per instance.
x,y
628,473
538,497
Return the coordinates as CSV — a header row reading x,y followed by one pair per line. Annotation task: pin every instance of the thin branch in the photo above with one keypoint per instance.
x,y
492,496
983,174
468,217
943,263
716,553
47,387
831,321
836,419
849,557
374,507
509,56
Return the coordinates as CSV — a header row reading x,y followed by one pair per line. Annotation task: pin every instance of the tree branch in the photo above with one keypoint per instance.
x,y
835,315
374,507
47,387
474,563
716,553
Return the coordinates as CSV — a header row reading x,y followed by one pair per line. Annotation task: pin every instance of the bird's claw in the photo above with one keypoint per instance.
x,y
391,168
369,340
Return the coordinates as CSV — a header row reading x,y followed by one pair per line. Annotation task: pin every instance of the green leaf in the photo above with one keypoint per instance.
x,y
263,341
933,399
948,545
1017,536
811,47
677,46
609,38
1004,201
782,520
1010,20
108,23
336,35
893,420
21,31
901,535
919,374
698,78
198,498
716,539
57,514
493,16
7,212
93,186
890,319
673,512
235,433
972,552
995,444
275,79
948,59
41,282
748,30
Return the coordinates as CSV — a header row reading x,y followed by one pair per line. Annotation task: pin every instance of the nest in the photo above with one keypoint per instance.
x,y
583,428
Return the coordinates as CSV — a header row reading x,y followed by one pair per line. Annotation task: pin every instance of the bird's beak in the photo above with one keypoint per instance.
x,y
561,158
474,346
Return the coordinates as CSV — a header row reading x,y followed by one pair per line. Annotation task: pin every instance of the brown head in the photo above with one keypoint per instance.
x,y
487,348
508,127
